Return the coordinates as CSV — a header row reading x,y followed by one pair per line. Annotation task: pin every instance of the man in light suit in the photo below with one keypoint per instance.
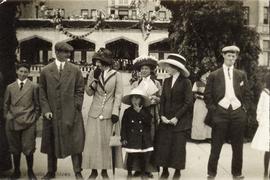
x,y
226,97
21,111
61,98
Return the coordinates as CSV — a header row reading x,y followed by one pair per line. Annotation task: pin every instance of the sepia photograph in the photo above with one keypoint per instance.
x,y
135,89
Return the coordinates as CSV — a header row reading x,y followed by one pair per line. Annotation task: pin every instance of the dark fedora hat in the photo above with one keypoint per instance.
x,y
150,61
63,46
104,55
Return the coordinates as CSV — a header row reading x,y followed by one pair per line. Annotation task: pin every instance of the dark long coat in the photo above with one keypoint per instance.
x,y
170,142
63,96
136,129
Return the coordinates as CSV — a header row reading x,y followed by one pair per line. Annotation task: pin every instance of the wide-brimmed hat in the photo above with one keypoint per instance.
x,y
103,55
63,46
176,60
150,61
233,48
127,98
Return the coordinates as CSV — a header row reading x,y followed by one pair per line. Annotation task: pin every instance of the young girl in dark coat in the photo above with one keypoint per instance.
x,y
136,129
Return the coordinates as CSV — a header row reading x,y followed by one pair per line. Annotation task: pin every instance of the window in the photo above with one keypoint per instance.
x,y
162,15
85,13
93,13
134,14
150,14
266,53
123,14
265,15
246,15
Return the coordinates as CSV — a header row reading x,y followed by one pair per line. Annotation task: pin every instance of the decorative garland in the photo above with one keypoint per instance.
x,y
60,28
144,24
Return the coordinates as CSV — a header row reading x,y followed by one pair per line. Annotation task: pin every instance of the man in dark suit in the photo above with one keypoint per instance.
x,y
226,97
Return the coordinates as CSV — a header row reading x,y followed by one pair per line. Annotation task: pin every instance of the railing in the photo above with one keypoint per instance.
x,y
35,72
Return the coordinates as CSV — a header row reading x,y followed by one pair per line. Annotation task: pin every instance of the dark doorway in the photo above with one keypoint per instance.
x,y
160,49
124,52
83,51
35,51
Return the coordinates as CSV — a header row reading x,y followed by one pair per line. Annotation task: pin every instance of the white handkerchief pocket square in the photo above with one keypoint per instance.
x,y
242,83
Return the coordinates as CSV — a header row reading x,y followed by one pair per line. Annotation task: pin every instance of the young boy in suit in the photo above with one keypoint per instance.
x,y
21,110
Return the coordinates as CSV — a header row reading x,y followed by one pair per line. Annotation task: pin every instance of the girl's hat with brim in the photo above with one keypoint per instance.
x,y
176,60
127,99
150,61
103,55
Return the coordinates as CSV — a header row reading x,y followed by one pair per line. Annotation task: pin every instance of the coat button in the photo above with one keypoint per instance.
x,y
132,121
141,130
140,122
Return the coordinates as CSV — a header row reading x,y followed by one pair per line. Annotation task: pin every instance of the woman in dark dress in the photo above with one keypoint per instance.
x,y
175,111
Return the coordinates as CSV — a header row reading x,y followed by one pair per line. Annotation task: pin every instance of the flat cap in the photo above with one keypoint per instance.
x,y
63,46
231,49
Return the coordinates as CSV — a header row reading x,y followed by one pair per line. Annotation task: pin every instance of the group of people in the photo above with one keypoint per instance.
x,y
153,130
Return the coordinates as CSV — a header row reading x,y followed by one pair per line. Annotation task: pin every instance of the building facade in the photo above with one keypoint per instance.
x,y
121,31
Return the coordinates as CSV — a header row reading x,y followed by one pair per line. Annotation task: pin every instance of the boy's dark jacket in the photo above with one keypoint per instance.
x,y
136,129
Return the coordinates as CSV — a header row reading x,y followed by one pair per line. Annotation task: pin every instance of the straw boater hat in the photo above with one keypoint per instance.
x,y
103,55
233,49
176,60
150,61
127,100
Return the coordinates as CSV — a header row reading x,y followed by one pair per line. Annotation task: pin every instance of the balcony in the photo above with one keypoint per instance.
x,y
88,23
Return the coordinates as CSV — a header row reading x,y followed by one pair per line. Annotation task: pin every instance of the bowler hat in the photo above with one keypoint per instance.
x,y
63,46
104,55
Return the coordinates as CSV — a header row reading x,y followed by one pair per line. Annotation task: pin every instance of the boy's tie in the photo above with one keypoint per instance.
x,y
229,73
21,85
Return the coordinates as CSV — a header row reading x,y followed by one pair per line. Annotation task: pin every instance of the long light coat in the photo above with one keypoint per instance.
x,y
261,140
63,96
21,107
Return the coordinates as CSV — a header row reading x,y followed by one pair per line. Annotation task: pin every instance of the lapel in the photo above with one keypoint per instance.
x,y
221,82
110,74
24,90
54,71
66,72
169,89
235,81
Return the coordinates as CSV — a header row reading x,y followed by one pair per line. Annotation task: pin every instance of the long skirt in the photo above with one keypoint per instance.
x,y
170,149
200,131
97,153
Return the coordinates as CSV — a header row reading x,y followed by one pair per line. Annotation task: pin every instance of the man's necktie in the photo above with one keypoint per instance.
x,y
21,85
60,69
229,74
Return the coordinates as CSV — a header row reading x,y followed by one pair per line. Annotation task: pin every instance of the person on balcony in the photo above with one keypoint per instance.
x,y
61,96
106,87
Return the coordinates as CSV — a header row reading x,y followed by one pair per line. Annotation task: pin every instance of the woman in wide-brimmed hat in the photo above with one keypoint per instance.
x,y
136,130
105,85
175,105
147,82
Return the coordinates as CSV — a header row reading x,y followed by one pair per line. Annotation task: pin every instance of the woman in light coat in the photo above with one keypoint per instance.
x,y
261,140
105,85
